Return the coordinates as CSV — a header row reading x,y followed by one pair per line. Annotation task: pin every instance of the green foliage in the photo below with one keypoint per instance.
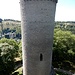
x,y
18,72
63,47
59,73
18,30
12,45
20,50
8,51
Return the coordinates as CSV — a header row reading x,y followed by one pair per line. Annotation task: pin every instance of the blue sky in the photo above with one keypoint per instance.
x,y
65,10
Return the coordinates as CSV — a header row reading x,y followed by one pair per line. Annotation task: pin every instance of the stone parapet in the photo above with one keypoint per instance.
x,y
43,0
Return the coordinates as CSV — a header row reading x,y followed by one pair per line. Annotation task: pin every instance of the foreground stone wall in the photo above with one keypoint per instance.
x,y
37,35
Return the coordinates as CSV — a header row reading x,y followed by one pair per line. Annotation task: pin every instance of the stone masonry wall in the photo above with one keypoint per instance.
x,y
37,36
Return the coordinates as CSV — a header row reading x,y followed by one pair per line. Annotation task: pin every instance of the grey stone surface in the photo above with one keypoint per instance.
x,y
37,35
52,71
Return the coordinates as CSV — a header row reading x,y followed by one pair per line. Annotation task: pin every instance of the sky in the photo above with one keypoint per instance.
x,y
65,10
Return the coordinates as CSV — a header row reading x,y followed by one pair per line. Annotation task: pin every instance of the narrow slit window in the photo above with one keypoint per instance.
x,y
41,57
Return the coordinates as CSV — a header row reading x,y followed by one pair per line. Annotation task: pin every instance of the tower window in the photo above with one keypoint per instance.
x,y
41,57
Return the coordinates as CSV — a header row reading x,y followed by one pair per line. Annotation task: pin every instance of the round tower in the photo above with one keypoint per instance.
x,y
37,19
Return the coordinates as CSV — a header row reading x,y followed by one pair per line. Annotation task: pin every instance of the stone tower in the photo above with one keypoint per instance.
x,y
37,18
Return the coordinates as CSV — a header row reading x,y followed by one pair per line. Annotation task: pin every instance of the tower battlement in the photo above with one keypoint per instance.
x,y
37,35
43,0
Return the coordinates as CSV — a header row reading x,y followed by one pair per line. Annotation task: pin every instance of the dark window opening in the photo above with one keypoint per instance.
x,y
41,57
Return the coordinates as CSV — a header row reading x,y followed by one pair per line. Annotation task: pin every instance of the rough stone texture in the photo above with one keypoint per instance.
x,y
52,71
37,35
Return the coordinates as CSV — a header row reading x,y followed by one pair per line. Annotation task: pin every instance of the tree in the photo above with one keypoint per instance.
x,y
63,47
8,52
20,50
